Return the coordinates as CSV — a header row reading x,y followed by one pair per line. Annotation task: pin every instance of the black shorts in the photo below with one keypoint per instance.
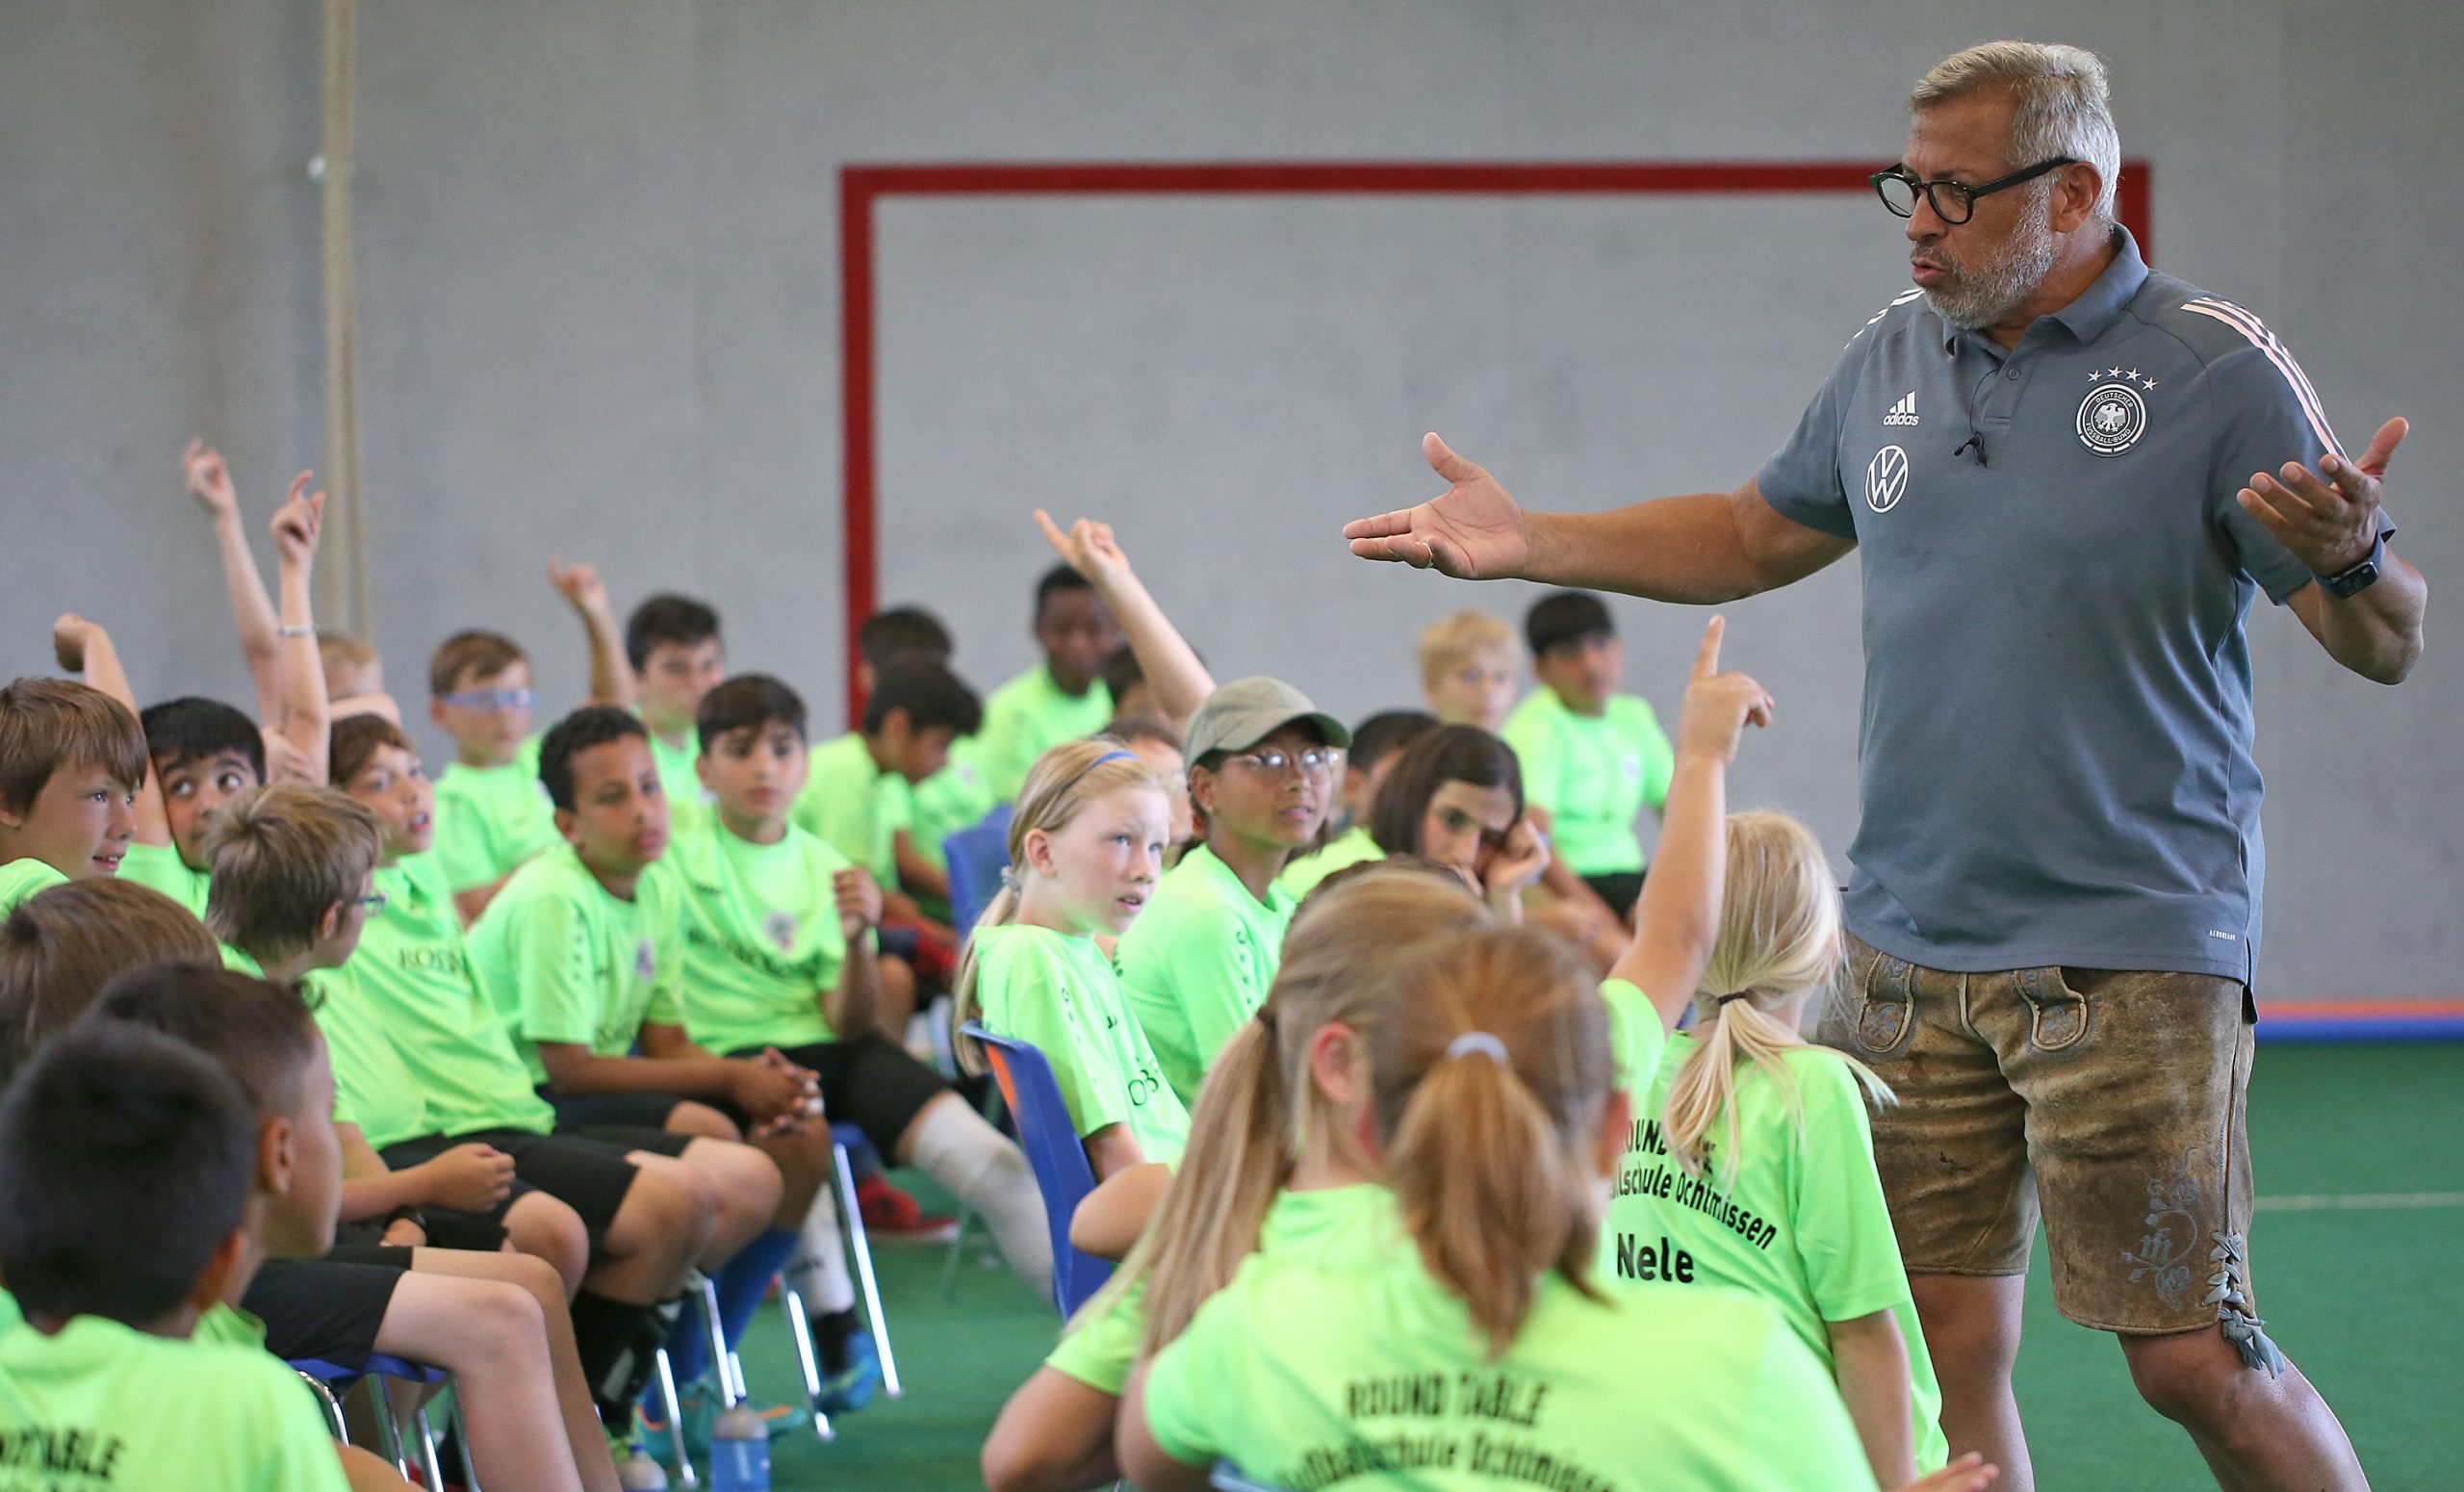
x,y
328,1309
1621,889
586,1172
633,1137
590,1111
871,1082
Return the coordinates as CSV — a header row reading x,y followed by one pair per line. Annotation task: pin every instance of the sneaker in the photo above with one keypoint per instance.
x,y
852,1388
893,1216
701,1400
636,1471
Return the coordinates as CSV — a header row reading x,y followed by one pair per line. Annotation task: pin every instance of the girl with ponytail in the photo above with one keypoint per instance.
x,y
1086,842
1464,1342
1751,1164
1273,1166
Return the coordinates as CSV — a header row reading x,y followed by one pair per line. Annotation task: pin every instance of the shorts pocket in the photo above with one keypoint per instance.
x,y
2057,1016
1884,1006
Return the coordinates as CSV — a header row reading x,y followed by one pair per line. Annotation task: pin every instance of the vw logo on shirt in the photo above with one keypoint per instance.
x,y
1886,479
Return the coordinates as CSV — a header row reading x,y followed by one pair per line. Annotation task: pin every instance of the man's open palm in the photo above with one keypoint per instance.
x,y
1474,532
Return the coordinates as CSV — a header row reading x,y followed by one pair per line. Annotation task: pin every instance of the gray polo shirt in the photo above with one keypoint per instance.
x,y
2055,755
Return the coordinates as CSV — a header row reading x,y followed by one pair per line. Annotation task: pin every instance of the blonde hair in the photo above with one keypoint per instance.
x,y
1448,641
2061,105
48,726
1779,936
344,649
1258,1107
280,856
1491,1080
1058,787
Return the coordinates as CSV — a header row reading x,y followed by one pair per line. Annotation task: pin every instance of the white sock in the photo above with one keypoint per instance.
x,y
818,1271
978,1164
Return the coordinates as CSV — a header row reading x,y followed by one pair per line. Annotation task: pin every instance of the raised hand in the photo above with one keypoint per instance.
x,y
299,522
1718,706
68,642
209,480
2327,517
578,584
859,900
1088,548
1474,531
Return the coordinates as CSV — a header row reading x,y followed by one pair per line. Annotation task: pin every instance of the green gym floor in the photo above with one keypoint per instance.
x,y
2359,1151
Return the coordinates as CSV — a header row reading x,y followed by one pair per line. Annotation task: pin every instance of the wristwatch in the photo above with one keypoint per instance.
x,y
2361,577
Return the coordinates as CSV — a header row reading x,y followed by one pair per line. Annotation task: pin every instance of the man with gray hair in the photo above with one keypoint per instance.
x,y
2070,478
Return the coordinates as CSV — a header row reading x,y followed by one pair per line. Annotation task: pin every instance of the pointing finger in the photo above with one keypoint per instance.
x,y
1706,659
1052,532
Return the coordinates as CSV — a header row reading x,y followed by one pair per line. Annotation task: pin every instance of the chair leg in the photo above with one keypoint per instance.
x,y
389,1430
861,1247
461,1423
666,1372
428,1462
800,1328
333,1406
723,1362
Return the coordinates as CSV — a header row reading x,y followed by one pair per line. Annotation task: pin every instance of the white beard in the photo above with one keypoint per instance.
x,y
1984,295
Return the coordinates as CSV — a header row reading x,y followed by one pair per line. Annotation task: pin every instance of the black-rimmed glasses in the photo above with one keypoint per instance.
x,y
1954,201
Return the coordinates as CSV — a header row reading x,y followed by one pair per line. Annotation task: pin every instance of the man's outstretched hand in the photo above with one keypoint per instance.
x,y
1474,532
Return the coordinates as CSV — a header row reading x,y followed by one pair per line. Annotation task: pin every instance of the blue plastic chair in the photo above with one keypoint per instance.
x,y
1055,1155
977,857
331,1378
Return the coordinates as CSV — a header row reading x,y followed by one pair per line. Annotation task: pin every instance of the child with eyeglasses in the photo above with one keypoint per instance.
x,y
491,816
1262,764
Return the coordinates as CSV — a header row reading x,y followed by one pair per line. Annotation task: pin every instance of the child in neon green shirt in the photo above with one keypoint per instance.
x,y
490,813
1063,698
1594,759
1198,959
1471,1353
1293,1072
66,797
1086,846
778,951
676,654
122,1218
859,793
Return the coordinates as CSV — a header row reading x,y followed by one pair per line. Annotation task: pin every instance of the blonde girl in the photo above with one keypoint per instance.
x,y
1086,842
1274,1164
1752,1164
1464,1343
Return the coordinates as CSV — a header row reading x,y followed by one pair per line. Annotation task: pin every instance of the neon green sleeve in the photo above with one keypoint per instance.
x,y
1637,1037
1820,1451
462,849
1220,976
1098,1347
1841,1224
1024,986
548,948
1178,1397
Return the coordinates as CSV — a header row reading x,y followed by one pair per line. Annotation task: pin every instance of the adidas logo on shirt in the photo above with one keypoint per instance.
x,y
1904,412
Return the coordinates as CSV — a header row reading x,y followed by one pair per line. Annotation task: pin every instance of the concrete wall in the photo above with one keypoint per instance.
x,y
600,320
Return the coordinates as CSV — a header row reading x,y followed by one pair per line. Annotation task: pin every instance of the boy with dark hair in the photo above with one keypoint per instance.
x,y
490,817
858,790
676,654
70,762
125,1168
203,752
1377,744
1063,698
1592,758
898,632
579,953
779,952
953,798
646,1216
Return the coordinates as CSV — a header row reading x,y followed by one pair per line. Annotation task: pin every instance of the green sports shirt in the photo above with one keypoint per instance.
x,y
562,959
491,819
757,938
1595,774
677,777
372,1087
159,866
98,1406
1060,994
23,878
1339,1226
1198,961
1352,847
851,805
1029,716
1308,1376
1800,1223
414,968
950,799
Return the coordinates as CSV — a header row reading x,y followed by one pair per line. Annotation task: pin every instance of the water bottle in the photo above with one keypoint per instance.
x,y
739,1453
